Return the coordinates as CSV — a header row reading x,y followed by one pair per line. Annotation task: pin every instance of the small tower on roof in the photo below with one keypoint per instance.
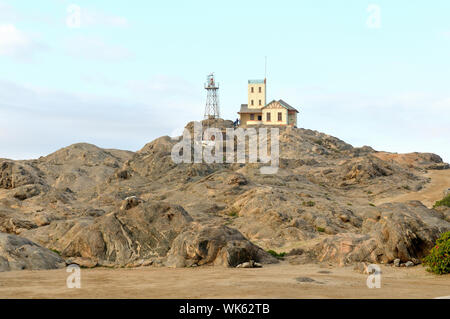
x,y
256,94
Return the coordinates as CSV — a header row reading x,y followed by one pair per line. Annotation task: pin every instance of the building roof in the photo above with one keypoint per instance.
x,y
245,109
255,81
283,104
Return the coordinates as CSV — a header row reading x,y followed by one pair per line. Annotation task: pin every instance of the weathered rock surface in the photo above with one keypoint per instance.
x,y
17,253
398,233
119,208
119,238
218,245
13,175
149,231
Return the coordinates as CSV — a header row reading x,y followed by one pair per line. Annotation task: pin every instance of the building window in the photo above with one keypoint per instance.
x,y
252,117
259,89
268,117
280,116
252,90
251,102
260,102
259,117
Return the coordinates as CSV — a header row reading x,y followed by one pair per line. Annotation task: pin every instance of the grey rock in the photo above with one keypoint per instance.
x,y
25,192
123,237
305,279
14,174
295,252
416,261
123,174
439,166
249,264
216,245
447,192
82,262
361,267
393,236
130,202
17,253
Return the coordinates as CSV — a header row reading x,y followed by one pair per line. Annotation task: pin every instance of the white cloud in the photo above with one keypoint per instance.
x,y
39,121
101,79
91,17
169,93
7,13
446,34
96,49
16,43
36,121
402,122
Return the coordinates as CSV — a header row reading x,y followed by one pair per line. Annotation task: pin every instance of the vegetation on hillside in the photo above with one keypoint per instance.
x,y
277,255
438,261
443,202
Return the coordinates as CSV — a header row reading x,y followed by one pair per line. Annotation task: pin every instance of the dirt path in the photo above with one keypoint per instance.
x,y
434,191
273,281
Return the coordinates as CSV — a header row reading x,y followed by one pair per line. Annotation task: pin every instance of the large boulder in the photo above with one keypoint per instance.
x,y
215,245
418,160
156,231
363,169
13,174
404,231
12,221
120,238
17,253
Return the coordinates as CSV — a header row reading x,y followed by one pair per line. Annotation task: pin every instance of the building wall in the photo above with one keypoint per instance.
x,y
245,119
256,96
292,118
274,116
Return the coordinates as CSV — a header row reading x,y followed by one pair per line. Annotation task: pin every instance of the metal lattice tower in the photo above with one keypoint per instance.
x,y
212,98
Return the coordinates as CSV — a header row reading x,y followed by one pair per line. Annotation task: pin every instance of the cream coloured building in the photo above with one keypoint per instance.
x,y
257,112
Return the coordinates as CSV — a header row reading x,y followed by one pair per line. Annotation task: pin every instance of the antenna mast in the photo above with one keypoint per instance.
x,y
265,67
212,98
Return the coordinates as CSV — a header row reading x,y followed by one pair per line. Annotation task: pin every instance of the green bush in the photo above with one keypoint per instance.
x,y
276,255
443,202
56,252
320,229
319,142
233,212
309,203
438,261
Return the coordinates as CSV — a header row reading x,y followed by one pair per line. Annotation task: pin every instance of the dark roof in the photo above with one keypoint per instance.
x,y
284,104
256,81
245,109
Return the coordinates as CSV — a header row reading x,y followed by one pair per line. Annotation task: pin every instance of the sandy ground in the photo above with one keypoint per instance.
x,y
273,281
434,191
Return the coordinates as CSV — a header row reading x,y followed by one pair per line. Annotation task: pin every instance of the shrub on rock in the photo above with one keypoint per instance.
x,y
443,202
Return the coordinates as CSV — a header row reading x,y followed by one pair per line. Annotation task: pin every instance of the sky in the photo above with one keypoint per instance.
x,y
119,74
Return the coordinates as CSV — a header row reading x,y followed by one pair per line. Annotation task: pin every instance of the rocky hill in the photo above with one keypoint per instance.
x,y
101,207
